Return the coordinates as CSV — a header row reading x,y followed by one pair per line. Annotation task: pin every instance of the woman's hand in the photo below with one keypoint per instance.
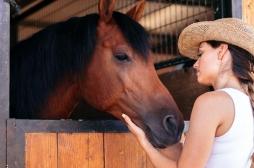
x,y
158,159
138,132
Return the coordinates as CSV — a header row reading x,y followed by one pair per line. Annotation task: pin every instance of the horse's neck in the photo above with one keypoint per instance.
x,y
61,102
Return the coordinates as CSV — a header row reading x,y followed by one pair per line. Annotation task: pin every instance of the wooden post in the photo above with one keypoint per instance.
x,y
248,11
4,77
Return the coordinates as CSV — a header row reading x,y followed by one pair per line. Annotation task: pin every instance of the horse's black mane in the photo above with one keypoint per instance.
x,y
41,61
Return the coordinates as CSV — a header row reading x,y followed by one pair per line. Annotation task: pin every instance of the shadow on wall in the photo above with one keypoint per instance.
x,y
184,88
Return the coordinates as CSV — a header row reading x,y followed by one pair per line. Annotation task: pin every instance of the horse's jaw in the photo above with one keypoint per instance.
x,y
61,102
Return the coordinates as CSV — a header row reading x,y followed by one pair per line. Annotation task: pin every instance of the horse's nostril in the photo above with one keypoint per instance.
x,y
170,123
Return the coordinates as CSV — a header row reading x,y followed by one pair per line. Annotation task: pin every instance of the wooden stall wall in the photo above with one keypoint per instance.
x,y
72,144
84,150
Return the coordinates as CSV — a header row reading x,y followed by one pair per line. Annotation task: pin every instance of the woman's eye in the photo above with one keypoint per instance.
x,y
199,55
122,57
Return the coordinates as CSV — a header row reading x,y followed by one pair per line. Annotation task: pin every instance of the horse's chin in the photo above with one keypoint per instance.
x,y
161,140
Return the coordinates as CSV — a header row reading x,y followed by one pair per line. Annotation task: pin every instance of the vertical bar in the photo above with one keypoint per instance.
x,y
171,36
166,34
206,6
237,9
248,11
4,76
187,11
213,8
176,28
162,33
222,9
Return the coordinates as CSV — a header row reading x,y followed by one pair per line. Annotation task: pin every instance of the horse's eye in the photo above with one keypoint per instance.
x,y
122,57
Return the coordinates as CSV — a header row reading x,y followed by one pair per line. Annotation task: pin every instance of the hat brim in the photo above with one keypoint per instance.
x,y
229,30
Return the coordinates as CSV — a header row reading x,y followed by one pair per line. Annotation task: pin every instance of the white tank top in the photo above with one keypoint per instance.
x,y
234,148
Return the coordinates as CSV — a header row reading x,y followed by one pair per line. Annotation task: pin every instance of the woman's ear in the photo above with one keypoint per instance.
x,y
223,48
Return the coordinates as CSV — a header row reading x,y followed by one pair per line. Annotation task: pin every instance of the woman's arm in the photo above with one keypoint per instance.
x,y
205,118
157,158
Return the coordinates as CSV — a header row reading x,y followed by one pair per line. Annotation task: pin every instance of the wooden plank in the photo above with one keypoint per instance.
x,y
41,150
96,150
123,150
80,150
248,11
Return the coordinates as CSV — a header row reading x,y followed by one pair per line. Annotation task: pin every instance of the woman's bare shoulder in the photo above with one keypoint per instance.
x,y
214,99
215,106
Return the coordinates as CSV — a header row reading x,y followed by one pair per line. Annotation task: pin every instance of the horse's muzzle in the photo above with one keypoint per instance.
x,y
169,134
173,127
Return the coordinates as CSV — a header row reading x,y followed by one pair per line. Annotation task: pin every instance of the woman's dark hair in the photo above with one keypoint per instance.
x,y
242,66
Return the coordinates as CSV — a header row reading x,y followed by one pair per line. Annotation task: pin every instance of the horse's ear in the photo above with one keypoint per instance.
x,y
137,11
106,8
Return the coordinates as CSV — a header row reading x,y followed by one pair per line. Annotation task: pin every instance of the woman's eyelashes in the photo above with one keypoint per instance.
x,y
199,54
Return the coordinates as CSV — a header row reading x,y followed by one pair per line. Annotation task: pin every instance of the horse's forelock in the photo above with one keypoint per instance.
x,y
134,33
43,59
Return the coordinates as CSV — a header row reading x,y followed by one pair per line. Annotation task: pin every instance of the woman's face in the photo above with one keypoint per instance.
x,y
207,65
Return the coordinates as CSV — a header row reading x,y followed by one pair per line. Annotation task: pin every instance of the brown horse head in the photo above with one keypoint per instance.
x,y
121,77
103,59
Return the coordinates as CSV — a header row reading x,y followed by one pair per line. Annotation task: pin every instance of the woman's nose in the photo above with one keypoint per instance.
x,y
196,64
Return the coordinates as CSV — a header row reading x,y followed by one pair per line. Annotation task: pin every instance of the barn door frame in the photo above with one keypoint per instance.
x,y
4,76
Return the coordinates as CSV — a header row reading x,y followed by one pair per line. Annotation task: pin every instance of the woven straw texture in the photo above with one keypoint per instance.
x,y
230,30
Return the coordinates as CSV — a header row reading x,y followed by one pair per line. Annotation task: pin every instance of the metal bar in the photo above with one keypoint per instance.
x,y
32,10
172,62
4,76
182,19
237,9
68,126
194,2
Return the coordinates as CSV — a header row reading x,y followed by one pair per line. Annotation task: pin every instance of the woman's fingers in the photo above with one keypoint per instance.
x,y
130,124
138,132
132,127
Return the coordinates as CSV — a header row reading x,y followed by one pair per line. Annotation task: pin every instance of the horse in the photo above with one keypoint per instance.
x,y
104,59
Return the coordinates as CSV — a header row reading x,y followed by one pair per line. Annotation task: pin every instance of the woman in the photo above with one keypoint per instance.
x,y
220,134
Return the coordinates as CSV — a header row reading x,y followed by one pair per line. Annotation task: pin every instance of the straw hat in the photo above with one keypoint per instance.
x,y
230,30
